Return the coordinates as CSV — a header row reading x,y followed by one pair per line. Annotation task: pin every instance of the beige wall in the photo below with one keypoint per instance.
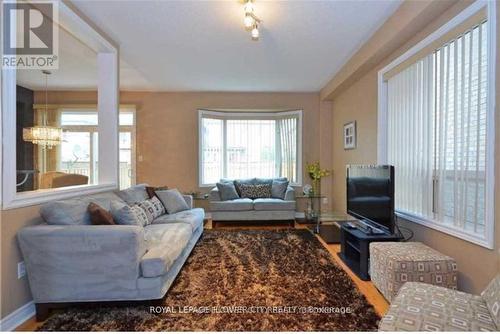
x,y
477,265
167,140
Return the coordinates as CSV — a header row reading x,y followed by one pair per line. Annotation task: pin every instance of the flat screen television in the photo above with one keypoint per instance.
x,y
370,195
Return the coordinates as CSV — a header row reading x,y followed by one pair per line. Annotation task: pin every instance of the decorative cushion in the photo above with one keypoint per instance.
x,y
129,215
172,200
278,189
153,207
99,215
422,307
254,191
491,296
151,190
239,183
227,191
134,194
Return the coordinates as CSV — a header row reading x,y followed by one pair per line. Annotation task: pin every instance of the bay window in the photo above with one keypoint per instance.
x,y
245,145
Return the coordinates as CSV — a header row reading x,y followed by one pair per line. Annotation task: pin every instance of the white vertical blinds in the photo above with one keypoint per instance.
x,y
239,146
410,104
437,132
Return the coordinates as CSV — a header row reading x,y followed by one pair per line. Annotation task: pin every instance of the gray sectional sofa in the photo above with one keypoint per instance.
x,y
258,209
69,260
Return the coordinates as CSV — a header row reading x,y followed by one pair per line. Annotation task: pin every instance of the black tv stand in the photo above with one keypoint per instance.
x,y
354,248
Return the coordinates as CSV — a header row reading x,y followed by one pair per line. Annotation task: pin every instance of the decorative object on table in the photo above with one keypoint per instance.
x,y
350,135
316,173
307,188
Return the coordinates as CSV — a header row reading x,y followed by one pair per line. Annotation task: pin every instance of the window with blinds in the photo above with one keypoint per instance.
x,y
437,134
247,145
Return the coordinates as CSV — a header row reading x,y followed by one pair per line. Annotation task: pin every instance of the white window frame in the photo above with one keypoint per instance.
x,y
382,140
129,108
108,92
261,114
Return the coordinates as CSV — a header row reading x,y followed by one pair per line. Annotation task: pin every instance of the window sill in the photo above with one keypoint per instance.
x,y
36,197
450,230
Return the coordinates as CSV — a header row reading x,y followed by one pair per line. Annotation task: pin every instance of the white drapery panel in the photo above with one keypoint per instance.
x,y
244,145
437,113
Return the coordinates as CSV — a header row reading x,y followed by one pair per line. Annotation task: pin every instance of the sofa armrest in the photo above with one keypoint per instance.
x,y
290,194
189,200
74,261
214,195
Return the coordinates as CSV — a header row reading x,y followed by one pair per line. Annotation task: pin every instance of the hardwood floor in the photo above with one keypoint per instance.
x,y
371,293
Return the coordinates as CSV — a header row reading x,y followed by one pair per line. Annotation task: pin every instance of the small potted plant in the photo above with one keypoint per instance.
x,y
316,173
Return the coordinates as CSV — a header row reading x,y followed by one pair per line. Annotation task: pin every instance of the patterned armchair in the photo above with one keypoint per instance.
x,y
426,307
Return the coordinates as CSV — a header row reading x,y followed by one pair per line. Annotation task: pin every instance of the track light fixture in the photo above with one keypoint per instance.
x,y
251,21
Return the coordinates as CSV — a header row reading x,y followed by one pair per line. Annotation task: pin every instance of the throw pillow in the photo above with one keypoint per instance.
x,y
151,190
254,191
278,189
99,215
129,214
227,191
239,183
152,207
172,200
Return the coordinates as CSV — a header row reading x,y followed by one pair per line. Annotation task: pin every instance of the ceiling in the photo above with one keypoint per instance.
x,y
203,46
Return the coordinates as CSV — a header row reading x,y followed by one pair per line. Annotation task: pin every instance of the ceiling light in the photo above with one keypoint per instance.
x,y
43,135
249,7
251,20
255,33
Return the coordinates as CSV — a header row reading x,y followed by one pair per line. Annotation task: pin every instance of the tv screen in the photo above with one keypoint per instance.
x,y
370,195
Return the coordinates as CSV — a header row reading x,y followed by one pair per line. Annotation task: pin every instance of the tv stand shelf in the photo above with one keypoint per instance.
x,y
355,251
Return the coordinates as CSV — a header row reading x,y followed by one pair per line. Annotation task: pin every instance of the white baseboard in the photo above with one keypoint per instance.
x,y
18,317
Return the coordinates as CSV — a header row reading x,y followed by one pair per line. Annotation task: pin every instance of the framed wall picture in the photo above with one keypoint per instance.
x,y
350,135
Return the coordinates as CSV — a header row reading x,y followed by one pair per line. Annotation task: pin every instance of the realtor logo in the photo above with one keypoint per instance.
x,y
30,34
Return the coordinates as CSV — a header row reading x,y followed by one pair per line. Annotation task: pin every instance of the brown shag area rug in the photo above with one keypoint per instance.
x,y
243,281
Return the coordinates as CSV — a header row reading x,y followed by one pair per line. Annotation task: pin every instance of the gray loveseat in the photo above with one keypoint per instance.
x,y
69,260
246,209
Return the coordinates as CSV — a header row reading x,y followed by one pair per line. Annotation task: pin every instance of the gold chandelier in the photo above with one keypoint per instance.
x,y
43,135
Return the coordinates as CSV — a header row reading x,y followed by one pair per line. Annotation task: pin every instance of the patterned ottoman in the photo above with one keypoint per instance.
x,y
394,263
425,307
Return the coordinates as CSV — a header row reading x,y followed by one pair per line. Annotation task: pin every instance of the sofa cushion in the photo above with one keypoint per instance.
x,y
152,190
172,200
134,194
74,211
124,214
254,191
193,218
165,243
153,208
273,204
99,215
227,191
278,189
491,296
239,183
240,204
